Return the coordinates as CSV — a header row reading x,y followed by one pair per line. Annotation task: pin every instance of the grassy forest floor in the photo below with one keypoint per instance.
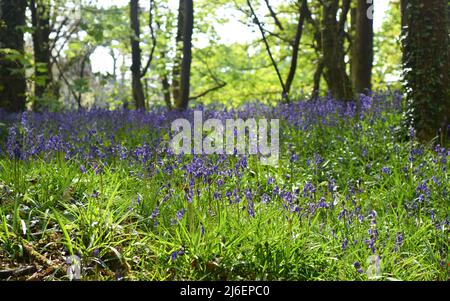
x,y
352,198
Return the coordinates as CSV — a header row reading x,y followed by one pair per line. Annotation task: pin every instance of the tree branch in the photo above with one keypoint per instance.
x,y
73,29
58,33
278,36
261,29
274,16
220,86
61,74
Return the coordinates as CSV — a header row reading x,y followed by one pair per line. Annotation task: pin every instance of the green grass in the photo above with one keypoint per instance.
x,y
51,207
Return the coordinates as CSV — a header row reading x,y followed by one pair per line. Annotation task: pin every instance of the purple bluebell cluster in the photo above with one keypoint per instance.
x,y
138,136
324,176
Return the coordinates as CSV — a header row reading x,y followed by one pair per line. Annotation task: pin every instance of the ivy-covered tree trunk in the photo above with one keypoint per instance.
x,y
12,74
362,59
185,75
137,88
426,63
335,72
40,17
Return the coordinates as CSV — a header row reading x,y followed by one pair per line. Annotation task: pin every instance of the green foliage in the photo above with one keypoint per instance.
x,y
388,55
245,68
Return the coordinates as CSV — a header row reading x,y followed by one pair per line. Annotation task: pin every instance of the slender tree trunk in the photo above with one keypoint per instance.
x,y
403,5
12,76
114,58
154,42
40,17
125,104
363,51
185,76
337,78
176,70
352,34
317,77
138,91
426,63
84,61
318,49
296,48
166,91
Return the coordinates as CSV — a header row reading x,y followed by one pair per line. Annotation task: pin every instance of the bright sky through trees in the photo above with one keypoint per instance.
x,y
231,32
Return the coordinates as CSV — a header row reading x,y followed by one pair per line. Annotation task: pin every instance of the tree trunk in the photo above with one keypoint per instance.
x,y
40,17
352,34
426,63
363,51
114,58
335,72
176,70
185,76
317,77
166,91
12,76
138,91
84,61
403,5
296,47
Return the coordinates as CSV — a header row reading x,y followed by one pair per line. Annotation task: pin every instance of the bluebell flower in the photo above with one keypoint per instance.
x,y
13,147
331,185
308,162
251,209
412,133
386,170
98,169
322,203
248,194
189,195
318,159
155,213
344,245
276,190
180,214
265,198
342,214
399,240
309,190
294,158
358,268
139,199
